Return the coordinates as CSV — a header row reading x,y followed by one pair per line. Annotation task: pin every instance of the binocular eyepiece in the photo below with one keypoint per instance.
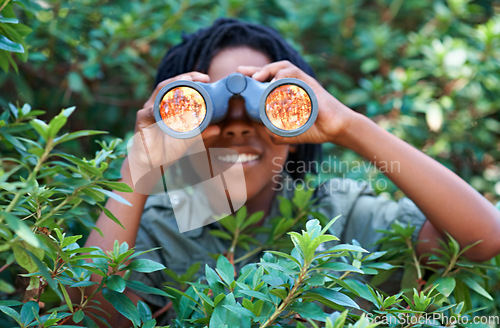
x,y
287,107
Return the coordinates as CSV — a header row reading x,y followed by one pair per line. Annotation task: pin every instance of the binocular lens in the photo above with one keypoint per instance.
x,y
288,107
183,109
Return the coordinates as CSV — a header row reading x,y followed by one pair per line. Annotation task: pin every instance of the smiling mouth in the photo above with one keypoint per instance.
x,y
241,158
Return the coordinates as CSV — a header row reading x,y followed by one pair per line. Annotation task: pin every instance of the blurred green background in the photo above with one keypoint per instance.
x,y
428,71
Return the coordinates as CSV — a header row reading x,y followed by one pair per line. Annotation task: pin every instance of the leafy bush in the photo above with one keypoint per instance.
x,y
47,194
426,70
43,193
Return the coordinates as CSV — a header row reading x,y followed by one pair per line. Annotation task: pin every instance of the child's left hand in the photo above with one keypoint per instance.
x,y
334,118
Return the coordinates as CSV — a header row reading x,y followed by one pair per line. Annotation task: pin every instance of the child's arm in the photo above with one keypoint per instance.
x,y
447,201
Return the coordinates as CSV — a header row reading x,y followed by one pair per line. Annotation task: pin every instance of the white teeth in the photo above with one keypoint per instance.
x,y
242,158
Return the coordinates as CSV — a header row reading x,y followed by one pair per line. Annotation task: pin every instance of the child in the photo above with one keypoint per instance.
x,y
447,202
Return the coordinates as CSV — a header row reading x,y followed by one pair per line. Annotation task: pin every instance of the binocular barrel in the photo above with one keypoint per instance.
x,y
287,107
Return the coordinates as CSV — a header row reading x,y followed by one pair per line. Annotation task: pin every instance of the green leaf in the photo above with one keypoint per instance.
x,y
81,164
238,309
111,194
56,124
285,207
11,313
123,305
28,312
476,287
116,283
445,285
20,248
327,227
335,297
10,303
256,294
287,256
220,234
9,45
21,229
41,127
281,293
111,215
70,240
347,247
26,109
144,311
5,287
241,214
75,135
8,20
117,186
340,266
225,269
13,140
141,287
84,283
252,219
78,316
67,299
309,311
149,324
145,265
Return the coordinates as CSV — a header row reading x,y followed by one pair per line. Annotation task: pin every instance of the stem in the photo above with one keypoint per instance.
x,y
450,266
58,207
415,259
5,266
286,302
230,253
4,4
345,274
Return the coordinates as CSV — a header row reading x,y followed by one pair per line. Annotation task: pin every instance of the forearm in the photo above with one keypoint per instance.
x,y
448,202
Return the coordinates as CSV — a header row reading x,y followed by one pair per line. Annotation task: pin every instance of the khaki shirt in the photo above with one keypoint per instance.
x,y
362,214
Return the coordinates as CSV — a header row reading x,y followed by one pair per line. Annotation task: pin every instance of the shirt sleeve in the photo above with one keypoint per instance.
x,y
363,213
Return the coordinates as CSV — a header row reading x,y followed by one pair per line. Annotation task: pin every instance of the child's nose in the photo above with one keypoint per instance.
x,y
237,123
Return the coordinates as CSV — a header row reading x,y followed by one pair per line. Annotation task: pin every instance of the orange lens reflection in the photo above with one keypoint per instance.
x,y
288,107
183,109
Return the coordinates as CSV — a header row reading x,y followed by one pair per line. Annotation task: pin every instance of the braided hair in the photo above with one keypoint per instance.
x,y
196,51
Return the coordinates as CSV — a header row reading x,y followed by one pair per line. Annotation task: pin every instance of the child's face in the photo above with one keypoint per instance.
x,y
238,133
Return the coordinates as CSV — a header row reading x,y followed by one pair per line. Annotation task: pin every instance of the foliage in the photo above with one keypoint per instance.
x,y
12,37
44,192
426,70
323,286
306,279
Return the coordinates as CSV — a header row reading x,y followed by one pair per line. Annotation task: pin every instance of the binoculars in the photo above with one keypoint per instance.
x,y
287,107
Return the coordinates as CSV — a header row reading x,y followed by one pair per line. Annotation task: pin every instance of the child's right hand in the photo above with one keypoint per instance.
x,y
152,148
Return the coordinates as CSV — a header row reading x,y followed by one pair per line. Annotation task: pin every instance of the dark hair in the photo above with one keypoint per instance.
x,y
196,51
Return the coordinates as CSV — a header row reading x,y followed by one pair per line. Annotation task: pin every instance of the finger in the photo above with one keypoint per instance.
x,y
270,70
248,70
146,115
144,118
